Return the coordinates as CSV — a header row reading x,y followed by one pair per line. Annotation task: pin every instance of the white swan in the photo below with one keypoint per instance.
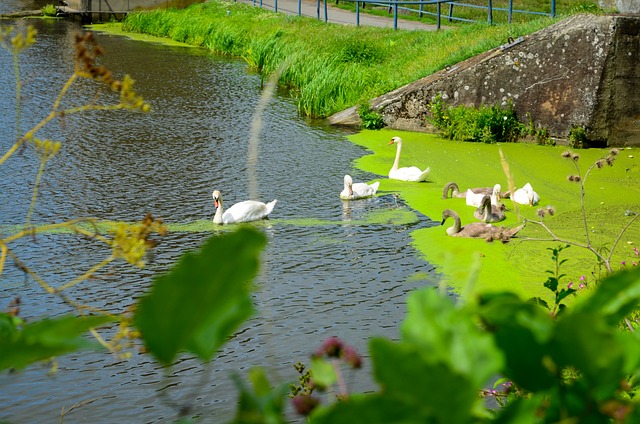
x,y
411,173
475,199
526,196
353,190
248,210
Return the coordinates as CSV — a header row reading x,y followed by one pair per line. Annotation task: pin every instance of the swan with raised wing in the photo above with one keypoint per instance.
x,y
245,211
488,212
354,191
411,173
526,196
475,199
478,229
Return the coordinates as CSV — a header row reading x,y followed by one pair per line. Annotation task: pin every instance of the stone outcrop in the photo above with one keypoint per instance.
x,y
583,71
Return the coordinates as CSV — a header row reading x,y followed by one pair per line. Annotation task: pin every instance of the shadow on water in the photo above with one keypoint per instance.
x,y
330,268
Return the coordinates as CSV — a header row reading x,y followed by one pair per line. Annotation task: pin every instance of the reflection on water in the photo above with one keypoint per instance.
x,y
331,267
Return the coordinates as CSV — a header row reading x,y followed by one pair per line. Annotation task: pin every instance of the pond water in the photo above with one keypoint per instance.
x,y
331,268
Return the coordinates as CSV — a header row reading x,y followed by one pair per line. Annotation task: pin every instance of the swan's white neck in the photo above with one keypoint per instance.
x,y
396,163
217,218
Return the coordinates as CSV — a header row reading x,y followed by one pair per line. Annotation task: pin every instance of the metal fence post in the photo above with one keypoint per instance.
x,y
395,15
490,12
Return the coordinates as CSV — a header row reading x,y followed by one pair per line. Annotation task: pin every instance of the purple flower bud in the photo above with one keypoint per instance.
x,y
351,357
304,404
570,285
332,348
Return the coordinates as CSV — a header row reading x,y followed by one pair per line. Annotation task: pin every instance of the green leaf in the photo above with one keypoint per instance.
x,y
22,345
323,372
603,355
372,408
445,333
426,385
203,300
262,405
523,331
615,296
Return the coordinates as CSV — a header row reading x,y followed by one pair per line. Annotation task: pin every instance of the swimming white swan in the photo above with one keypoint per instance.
x,y
475,199
478,229
526,196
353,190
248,210
411,173
488,212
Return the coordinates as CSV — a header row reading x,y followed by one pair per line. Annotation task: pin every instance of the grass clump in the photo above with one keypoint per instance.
x,y
49,10
326,67
487,124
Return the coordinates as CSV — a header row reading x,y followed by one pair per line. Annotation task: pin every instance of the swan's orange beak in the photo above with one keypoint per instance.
x,y
215,203
391,142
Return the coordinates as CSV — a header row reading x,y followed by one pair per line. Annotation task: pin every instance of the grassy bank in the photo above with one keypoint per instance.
x,y
518,266
326,67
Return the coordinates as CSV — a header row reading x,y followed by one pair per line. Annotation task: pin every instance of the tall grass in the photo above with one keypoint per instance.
x,y
326,67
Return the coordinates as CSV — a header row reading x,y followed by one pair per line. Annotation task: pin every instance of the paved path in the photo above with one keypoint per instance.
x,y
336,15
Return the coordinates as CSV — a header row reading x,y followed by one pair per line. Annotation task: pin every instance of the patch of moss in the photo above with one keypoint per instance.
x,y
518,266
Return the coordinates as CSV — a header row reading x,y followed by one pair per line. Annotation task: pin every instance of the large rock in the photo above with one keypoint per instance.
x,y
582,71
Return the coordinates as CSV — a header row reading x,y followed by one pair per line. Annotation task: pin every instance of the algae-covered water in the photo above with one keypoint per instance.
x,y
612,197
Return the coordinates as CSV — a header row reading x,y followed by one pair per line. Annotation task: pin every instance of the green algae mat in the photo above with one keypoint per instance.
x,y
612,197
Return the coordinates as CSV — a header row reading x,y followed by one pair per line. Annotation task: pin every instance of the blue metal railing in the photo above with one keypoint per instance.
x,y
398,5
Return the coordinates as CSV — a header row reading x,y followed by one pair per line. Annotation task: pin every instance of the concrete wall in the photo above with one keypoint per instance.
x,y
581,71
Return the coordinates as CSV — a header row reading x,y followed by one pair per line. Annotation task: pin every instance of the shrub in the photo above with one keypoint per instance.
x,y
577,137
371,119
49,10
488,124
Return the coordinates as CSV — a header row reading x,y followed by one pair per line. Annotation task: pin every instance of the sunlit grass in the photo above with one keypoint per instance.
x,y
326,67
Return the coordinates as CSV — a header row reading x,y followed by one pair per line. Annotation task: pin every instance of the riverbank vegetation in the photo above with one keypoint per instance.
x,y
326,67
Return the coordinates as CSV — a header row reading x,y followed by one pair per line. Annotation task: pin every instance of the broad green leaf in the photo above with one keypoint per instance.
x,y
523,331
323,372
429,386
522,411
263,404
615,296
445,333
204,298
23,345
603,355
368,409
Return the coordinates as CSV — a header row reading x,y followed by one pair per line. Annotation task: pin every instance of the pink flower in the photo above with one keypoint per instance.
x,y
570,285
581,286
582,278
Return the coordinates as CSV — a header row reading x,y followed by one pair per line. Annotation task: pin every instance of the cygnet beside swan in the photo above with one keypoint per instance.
x,y
475,199
411,173
354,191
246,211
455,191
488,212
478,229
526,196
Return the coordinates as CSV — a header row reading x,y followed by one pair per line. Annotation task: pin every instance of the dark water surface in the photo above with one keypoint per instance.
x,y
326,270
